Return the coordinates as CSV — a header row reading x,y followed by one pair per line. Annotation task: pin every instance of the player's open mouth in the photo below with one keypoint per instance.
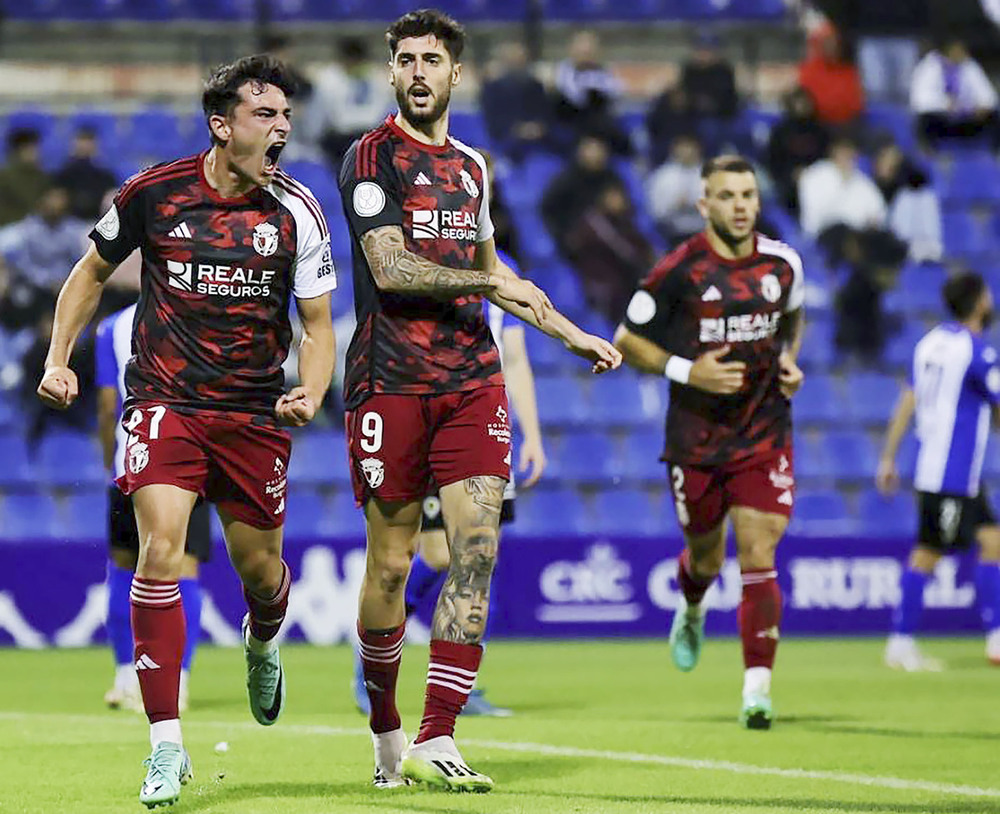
x,y
271,157
420,93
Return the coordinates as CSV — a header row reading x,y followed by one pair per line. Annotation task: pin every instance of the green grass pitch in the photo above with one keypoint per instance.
x,y
606,727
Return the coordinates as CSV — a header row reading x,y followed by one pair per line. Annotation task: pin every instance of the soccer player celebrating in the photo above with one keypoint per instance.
x,y
226,240
721,317
114,348
424,389
954,383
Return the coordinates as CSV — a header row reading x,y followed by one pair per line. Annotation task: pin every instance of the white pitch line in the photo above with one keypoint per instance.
x,y
877,781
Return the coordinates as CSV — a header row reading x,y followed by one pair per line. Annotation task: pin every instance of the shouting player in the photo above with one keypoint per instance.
x,y
424,389
955,381
226,240
114,349
721,317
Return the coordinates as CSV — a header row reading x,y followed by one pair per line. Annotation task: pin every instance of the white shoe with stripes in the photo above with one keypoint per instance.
x,y
389,749
437,762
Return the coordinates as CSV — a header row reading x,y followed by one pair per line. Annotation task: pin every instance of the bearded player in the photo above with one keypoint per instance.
x,y
424,390
226,239
721,317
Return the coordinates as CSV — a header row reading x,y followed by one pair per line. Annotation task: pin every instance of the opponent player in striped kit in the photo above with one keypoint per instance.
x,y
721,317
226,239
953,391
424,389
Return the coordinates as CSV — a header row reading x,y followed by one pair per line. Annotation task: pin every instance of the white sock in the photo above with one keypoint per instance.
x,y
125,677
757,681
166,731
902,640
259,648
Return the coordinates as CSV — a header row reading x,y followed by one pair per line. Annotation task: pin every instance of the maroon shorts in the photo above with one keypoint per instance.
x,y
230,459
402,446
703,496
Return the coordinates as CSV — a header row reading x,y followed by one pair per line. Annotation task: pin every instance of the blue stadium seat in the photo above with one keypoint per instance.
x,y
546,354
639,459
537,244
627,512
318,457
153,134
871,397
974,178
105,126
561,400
899,349
469,127
84,516
343,518
894,119
817,402
526,183
31,516
17,469
919,288
582,456
304,513
821,514
550,512
894,516
965,236
852,455
817,352
617,400
812,459
70,459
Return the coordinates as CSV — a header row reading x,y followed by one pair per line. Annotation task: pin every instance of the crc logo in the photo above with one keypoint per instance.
x,y
448,224
265,239
597,588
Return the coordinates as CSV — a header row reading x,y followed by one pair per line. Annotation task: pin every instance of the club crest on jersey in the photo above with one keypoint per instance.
x,y
265,239
469,183
138,457
770,288
374,471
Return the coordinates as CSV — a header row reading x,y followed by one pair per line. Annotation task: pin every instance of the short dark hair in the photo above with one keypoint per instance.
x,y
726,163
961,293
426,21
221,92
21,137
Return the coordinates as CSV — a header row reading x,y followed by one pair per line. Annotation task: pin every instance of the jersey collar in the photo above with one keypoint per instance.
x,y
390,120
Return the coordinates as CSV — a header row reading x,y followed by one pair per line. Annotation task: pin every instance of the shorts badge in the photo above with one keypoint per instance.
x,y
138,457
374,472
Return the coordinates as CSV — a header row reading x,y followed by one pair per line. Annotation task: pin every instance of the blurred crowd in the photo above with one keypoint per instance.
x,y
856,193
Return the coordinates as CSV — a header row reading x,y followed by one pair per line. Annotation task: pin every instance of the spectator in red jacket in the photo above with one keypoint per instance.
x,y
831,79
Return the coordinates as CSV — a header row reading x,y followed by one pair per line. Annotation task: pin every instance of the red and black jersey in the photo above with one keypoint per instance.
x,y
439,196
694,301
211,328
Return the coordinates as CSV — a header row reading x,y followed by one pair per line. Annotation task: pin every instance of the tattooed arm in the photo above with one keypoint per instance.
x,y
472,512
400,271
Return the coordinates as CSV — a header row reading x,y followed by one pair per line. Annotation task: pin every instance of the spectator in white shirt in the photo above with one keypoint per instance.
x,y
834,191
953,98
674,189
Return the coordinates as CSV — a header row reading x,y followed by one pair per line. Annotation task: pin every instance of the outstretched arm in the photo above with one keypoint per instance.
x,y
75,307
597,350
887,477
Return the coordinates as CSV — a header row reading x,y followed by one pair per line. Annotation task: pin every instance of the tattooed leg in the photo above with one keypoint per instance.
x,y
471,510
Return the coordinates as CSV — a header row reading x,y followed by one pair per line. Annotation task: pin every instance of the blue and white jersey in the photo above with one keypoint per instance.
x,y
956,380
113,350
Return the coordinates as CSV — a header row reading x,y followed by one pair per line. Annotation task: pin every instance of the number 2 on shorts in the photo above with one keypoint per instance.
x,y
371,431
680,499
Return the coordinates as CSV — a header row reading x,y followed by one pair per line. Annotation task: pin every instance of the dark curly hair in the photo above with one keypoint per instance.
x,y
426,21
222,88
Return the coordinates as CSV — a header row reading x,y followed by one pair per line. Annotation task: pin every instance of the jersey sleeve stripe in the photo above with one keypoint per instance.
x,y
166,172
296,190
366,157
